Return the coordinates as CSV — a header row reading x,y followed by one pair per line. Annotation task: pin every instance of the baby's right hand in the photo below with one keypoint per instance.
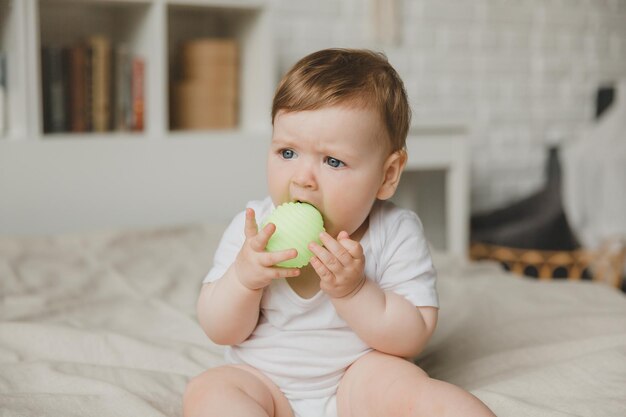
x,y
254,266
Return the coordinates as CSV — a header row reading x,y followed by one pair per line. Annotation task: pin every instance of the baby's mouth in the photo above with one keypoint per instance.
x,y
302,201
305,202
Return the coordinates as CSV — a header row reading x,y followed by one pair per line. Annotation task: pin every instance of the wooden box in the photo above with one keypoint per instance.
x,y
206,96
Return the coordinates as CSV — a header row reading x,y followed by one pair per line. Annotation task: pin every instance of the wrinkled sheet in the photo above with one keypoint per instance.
x,y
103,324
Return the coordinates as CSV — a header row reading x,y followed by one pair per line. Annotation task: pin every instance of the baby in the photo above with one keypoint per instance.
x,y
332,338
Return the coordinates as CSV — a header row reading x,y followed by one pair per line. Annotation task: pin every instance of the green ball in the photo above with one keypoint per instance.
x,y
297,225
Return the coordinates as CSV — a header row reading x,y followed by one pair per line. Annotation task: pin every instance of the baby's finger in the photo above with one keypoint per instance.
x,y
353,247
259,242
329,260
338,250
278,272
322,271
273,258
250,228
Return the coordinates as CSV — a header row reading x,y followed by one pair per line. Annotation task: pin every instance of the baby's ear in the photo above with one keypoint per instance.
x,y
394,165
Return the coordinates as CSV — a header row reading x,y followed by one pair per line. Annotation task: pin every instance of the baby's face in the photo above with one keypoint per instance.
x,y
333,158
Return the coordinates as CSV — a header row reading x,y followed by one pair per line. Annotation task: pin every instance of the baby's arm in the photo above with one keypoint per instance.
x,y
384,320
387,321
228,309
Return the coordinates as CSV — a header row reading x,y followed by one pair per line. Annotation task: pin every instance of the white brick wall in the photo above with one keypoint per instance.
x,y
521,74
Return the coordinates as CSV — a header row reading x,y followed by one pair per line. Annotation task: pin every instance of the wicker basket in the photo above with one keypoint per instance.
x,y
605,264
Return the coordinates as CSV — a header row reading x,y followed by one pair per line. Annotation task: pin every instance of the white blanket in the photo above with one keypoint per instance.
x,y
104,325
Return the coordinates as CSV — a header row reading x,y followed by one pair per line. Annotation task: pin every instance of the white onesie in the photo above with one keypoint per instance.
x,y
302,345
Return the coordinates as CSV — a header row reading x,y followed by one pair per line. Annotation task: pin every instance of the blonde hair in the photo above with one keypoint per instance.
x,y
347,76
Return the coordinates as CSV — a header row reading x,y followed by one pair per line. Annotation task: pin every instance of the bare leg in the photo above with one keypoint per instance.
x,y
234,391
400,389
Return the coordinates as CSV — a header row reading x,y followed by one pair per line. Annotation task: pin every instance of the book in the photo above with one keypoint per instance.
x,y
55,91
206,95
3,93
199,56
123,89
92,86
138,98
88,88
101,83
197,106
78,88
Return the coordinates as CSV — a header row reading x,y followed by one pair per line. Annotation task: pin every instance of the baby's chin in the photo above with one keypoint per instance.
x,y
334,231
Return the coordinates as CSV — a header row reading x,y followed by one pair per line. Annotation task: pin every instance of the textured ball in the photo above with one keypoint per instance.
x,y
297,225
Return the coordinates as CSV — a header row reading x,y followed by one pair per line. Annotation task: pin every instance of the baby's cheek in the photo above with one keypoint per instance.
x,y
342,213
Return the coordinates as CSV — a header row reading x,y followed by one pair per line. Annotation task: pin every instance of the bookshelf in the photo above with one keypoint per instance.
x,y
151,29
55,182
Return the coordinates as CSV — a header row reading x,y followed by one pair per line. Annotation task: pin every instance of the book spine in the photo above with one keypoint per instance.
x,y
65,83
123,86
88,71
128,94
138,93
78,95
45,88
54,90
101,82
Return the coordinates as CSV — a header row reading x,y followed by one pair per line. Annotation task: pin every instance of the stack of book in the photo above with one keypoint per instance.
x,y
206,95
92,87
3,93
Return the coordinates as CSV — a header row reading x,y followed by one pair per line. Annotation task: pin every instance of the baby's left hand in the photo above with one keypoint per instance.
x,y
340,264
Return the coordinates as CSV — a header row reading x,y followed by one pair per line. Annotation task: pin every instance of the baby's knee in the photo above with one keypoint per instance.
x,y
203,385
218,387
393,390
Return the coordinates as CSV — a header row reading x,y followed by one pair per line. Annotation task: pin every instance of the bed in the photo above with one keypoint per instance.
x,y
103,324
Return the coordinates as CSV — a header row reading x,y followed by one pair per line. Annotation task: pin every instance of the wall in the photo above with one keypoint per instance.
x,y
521,74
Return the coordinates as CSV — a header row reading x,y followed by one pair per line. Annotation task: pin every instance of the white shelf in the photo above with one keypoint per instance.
x,y
224,4
12,43
436,184
152,29
72,185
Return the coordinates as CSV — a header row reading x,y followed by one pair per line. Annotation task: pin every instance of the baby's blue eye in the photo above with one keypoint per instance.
x,y
334,162
287,153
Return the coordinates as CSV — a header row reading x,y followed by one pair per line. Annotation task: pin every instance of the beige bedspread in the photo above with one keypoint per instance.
x,y
103,325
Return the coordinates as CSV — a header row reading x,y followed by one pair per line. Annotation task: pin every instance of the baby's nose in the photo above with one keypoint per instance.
x,y
305,177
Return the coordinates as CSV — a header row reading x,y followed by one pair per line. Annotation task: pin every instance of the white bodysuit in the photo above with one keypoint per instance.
x,y
302,345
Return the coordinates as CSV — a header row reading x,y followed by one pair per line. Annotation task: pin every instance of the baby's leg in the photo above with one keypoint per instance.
x,y
234,390
378,384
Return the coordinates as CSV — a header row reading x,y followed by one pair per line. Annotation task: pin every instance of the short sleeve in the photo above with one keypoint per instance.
x,y
228,248
405,264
